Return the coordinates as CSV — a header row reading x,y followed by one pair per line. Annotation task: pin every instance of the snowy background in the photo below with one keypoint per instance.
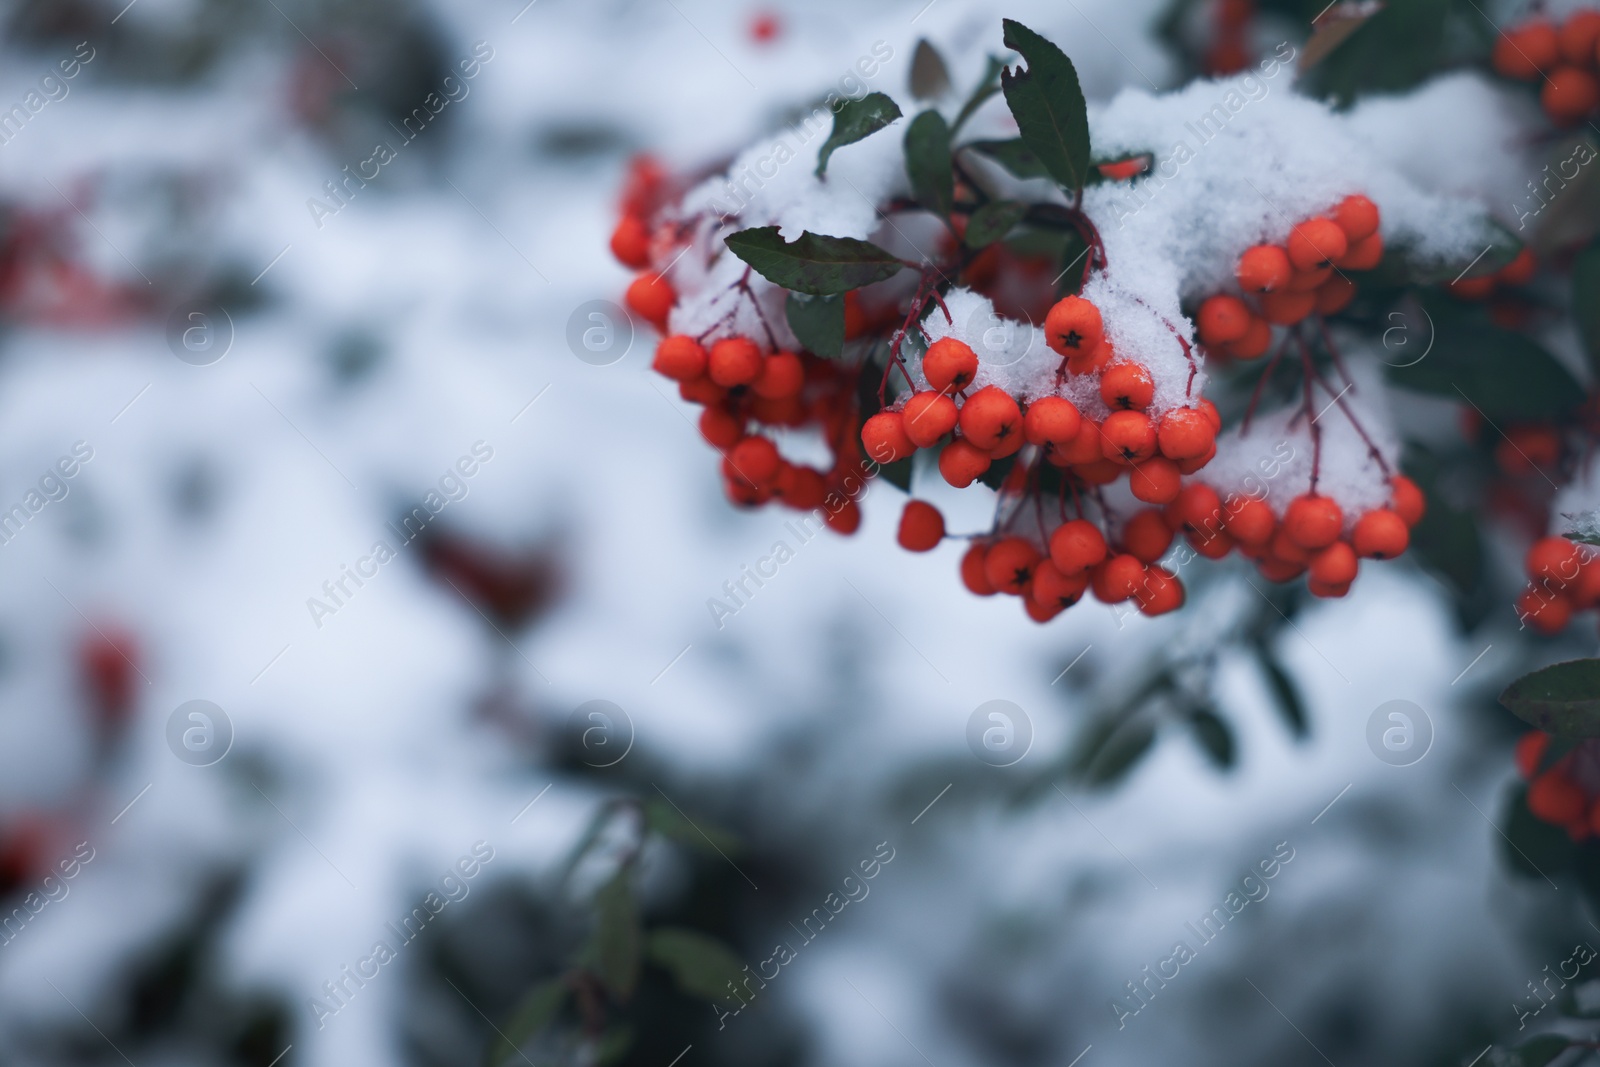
x,y
367,352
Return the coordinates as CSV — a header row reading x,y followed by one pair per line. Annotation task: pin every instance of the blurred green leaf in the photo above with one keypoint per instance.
x,y
1396,49
1286,696
1532,847
993,221
1215,739
1013,155
1562,699
814,264
701,965
1048,104
987,88
817,322
854,121
1586,302
1538,1051
927,148
669,823
930,77
615,945
614,1044
537,1010
1112,753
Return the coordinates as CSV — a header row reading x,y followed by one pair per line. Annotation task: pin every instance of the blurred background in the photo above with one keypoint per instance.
x,y
360,701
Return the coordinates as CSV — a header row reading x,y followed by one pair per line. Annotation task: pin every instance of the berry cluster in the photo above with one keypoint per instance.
x,y
1566,58
1514,274
1292,281
1563,578
1567,793
1228,51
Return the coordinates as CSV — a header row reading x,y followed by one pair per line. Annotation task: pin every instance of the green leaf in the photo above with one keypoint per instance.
x,y
1214,736
1532,847
666,821
614,947
930,78
1048,105
928,162
1013,155
814,264
1503,373
537,1010
1586,302
1538,1051
988,87
817,322
1562,699
1396,49
897,474
701,965
995,476
614,1044
855,120
992,221
1286,694
1115,753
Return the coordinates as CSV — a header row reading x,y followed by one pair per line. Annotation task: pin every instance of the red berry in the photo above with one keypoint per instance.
x,y
1555,798
1380,534
1530,752
1126,386
1526,51
1155,480
1197,510
1308,281
1569,94
1051,588
782,374
1357,217
1158,592
734,361
1408,501
921,527
1326,590
1052,420
1009,565
1073,327
1554,559
651,298
1222,319
1475,288
846,520
1146,536
1263,268
929,416
973,575
720,427
885,439
630,242
1255,342
1316,243
1545,611
1335,565
1077,545
1578,37
702,391
1085,446
1520,270
1100,472
680,358
1334,295
1092,360
1364,254
1526,450
1115,580
1312,521
1127,437
1287,308
990,418
949,365
961,463
1249,521
756,460
1185,433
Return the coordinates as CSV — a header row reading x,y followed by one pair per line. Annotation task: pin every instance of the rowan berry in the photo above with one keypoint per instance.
x,y
1313,521
961,463
921,527
1263,268
1115,580
949,365
1335,565
1054,589
1146,536
1185,433
885,439
1077,545
1127,437
1155,480
720,427
973,574
1214,546
1189,466
630,242
990,418
1222,319
846,519
1585,592
782,375
1577,37
1127,386
1284,547
1037,611
784,411
1255,342
1326,590
1380,534
1530,751
1555,798
1100,472
1307,281
1085,446
1211,413
1569,94
702,391
1520,270
1526,51
755,459
1335,295
856,321
1009,565
1364,254
1546,611
741,493
1407,500
1197,510
1286,308
651,297
929,416
734,361
680,358
1280,570
1357,217
1158,592
804,489
1092,360
1316,243
1009,447
1527,450
1248,520
1477,288
1073,327
1051,420
1555,559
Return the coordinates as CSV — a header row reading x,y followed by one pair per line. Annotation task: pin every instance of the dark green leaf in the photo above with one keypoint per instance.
x,y
1394,50
1504,373
1013,155
855,120
702,966
1554,750
1533,847
614,1045
1586,302
537,1009
930,78
996,474
988,87
1048,105
1286,695
1562,699
1538,1051
897,474
814,264
928,162
1214,736
992,221
1118,754
614,949
817,322
666,821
